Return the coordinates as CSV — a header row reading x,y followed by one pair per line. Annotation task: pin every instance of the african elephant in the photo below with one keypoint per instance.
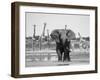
x,y
61,37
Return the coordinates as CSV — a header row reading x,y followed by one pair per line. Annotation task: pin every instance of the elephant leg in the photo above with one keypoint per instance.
x,y
66,55
59,54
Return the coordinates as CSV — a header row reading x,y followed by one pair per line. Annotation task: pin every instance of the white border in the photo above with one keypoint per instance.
x,y
37,70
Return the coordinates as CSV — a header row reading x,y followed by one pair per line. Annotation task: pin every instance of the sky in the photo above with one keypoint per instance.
x,y
77,23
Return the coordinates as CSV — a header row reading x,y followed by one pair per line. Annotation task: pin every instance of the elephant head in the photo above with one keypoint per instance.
x,y
61,35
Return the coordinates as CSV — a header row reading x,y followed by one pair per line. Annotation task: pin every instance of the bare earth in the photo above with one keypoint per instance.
x,y
79,57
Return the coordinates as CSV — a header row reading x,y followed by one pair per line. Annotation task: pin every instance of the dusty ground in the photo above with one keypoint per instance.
x,y
78,57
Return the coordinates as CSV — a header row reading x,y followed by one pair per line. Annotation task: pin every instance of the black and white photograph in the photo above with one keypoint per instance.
x,y
54,39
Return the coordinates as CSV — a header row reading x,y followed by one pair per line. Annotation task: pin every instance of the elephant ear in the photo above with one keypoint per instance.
x,y
55,35
70,34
